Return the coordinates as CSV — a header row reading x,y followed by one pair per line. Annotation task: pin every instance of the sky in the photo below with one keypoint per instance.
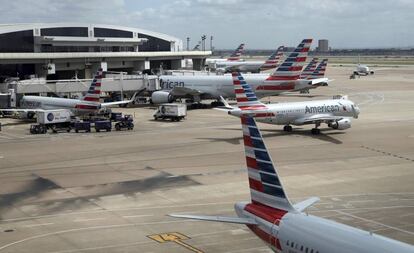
x,y
261,24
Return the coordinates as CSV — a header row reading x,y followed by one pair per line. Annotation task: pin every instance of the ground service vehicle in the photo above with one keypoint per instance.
x,y
172,111
126,122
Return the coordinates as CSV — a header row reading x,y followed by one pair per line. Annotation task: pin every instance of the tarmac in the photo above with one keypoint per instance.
x,y
111,192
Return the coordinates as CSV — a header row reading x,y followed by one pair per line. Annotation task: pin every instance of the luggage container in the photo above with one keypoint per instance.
x,y
82,126
103,125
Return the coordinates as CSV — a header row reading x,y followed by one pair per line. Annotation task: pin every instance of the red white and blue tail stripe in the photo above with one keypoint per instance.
x,y
291,68
309,69
273,60
265,187
94,92
319,72
235,56
245,96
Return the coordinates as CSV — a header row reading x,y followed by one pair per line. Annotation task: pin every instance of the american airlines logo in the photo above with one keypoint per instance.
x,y
323,108
168,85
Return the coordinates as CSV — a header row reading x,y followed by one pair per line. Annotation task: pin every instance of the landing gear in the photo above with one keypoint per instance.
x,y
217,103
315,131
305,91
287,128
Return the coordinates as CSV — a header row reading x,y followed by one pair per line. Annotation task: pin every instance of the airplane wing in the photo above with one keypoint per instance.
x,y
318,118
236,220
119,102
306,203
183,91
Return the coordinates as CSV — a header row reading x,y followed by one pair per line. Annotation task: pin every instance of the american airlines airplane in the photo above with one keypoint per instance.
x,y
235,56
89,104
251,66
284,226
284,78
336,113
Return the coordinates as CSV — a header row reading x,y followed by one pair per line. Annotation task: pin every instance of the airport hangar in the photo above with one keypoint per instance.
x,y
59,50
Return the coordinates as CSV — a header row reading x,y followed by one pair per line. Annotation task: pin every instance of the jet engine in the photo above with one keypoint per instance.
x,y
160,97
340,124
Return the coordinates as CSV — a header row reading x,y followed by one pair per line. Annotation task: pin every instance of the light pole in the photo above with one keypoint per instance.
x,y
188,43
211,43
203,39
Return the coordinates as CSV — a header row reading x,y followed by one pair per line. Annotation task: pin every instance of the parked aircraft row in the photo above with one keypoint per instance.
x,y
88,104
270,215
251,66
287,77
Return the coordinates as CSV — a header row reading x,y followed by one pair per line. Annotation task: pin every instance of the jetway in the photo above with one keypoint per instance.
x,y
126,83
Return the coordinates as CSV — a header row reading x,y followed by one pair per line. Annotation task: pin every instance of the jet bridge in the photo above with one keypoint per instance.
x,y
128,83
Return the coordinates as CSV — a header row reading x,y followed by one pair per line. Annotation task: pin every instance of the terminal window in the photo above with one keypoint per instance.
x,y
65,31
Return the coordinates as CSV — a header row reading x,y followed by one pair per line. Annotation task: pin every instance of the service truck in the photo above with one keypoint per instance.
x,y
57,120
172,111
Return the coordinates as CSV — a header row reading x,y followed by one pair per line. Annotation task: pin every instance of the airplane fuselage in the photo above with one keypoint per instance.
x,y
295,232
214,86
51,103
247,66
293,113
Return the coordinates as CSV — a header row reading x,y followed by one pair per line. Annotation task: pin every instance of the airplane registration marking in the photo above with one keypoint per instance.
x,y
174,237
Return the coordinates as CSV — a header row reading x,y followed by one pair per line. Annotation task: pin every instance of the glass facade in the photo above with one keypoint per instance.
x,y
15,42
111,33
65,31
153,44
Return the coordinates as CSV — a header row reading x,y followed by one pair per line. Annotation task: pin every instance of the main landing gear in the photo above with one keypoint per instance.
x,y
316,130
287,128
217,103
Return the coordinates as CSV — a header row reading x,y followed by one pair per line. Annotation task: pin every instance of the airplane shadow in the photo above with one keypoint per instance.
x,y
274,133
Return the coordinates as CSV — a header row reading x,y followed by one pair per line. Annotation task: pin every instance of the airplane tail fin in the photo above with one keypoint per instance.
x,y
309,69
291,68
235,56
273,60
266,189
245,96
319,72
94,92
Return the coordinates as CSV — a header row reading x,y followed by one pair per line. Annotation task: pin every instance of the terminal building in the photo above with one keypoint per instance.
x,y
63,50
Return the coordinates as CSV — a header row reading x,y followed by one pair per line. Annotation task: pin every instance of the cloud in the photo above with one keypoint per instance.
x,y
260,24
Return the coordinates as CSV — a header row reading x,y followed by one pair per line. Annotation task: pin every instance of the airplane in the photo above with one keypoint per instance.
x,y
235,56
362,69
309,69
197,87
286,227
251,66
312,73
336,113
89,104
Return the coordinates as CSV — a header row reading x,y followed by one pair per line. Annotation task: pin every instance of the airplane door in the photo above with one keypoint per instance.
x,y
274,232
281,118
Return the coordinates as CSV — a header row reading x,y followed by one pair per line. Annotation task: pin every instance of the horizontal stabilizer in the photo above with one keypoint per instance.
x,y
301,206
216,218
319,80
